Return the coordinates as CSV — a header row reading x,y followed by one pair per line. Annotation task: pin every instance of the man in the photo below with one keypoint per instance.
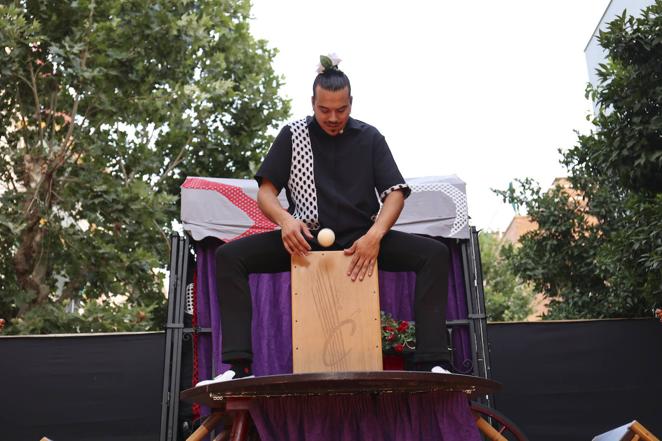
x,y
333,168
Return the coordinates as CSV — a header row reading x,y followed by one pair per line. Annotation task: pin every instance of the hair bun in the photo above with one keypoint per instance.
x,y
328,62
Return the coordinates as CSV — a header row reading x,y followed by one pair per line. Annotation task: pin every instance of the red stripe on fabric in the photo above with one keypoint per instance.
x,y
241,200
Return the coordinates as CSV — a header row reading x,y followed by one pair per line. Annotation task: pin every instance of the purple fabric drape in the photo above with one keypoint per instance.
x,y
272,315
272,333
427,416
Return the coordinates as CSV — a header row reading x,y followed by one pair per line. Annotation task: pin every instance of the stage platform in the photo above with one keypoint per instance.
x,y
345,405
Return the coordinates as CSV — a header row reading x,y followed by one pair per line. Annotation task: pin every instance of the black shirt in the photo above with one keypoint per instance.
x,y
351,171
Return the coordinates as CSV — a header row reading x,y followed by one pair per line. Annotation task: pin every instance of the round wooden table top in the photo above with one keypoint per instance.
x,y
337,383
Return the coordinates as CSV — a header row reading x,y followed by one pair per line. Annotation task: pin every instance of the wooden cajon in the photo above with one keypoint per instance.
x,y
335,322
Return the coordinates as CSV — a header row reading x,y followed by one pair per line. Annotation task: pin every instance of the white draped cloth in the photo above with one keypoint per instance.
x,y
227,208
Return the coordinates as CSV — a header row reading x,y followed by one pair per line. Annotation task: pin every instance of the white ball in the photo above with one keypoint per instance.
x,y
326,237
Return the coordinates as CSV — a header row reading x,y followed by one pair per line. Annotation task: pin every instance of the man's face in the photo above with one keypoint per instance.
x,y
332,109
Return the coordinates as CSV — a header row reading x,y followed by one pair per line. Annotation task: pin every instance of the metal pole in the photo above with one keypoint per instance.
x,y
479,316
180,307
468,273
167,362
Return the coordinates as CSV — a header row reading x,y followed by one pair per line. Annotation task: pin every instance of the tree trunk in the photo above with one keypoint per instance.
x,y
30,261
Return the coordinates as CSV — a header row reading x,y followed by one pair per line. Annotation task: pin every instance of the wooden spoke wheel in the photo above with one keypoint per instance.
x,y
494,426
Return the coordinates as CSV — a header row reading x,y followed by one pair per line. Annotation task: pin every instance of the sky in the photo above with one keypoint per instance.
x,y
488,91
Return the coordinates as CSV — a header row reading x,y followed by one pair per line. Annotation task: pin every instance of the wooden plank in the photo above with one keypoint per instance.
x,y
207,426
240,426
486,429
642,432
335,322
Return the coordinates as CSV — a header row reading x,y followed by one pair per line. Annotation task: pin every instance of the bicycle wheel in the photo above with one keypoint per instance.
x,y
495,426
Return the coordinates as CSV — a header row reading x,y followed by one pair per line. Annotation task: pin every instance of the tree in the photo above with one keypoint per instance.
x,y
628,142
104,108
507,298
598,250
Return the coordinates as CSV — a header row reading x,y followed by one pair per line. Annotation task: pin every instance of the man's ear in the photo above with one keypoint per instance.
x,y
312,101
351,99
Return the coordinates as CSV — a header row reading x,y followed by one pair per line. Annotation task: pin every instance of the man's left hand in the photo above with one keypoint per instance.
x,y
364,252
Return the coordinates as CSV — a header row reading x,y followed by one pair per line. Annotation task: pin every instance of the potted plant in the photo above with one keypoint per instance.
x,y
398,341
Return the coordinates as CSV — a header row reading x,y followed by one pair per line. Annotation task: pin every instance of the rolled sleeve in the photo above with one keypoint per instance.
x,y
406,191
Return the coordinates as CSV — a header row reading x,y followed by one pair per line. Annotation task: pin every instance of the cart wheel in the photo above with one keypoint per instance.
x,y
494,426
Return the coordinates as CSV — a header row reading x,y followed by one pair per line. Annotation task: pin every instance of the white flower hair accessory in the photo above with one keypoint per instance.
x,y
330,61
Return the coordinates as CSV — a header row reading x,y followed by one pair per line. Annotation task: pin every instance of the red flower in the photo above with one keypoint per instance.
x,y
390,337
399,347
388,329
403,326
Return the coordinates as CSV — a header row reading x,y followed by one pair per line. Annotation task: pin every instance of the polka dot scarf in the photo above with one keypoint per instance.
x,y
302,179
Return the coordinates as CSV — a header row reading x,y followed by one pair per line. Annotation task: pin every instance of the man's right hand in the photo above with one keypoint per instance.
x,y
292,232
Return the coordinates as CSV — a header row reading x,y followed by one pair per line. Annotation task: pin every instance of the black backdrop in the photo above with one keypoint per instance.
x,y
88,387
562,380
574,380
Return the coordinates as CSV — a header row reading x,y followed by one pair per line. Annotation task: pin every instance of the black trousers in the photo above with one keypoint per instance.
x,y
265,253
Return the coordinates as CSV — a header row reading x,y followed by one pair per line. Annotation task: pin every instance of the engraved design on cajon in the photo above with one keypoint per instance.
x,y
335,322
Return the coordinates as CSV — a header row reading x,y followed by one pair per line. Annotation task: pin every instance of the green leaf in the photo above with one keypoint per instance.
x,y
326,62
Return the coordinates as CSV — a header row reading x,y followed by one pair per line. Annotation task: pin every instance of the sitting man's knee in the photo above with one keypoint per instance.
x,y
225,255
441,252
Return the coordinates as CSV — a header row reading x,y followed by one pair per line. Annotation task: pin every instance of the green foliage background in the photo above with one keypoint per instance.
x,y
104,108
598,253
507,297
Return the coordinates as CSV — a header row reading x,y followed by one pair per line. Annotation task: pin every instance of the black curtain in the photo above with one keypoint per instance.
x,y
98,387
562,380
574,380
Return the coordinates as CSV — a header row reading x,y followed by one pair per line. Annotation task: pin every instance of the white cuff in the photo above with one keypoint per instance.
x,y
389,190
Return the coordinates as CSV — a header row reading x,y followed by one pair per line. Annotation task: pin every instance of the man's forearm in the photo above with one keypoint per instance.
x,y
393,205
294,232
267,201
